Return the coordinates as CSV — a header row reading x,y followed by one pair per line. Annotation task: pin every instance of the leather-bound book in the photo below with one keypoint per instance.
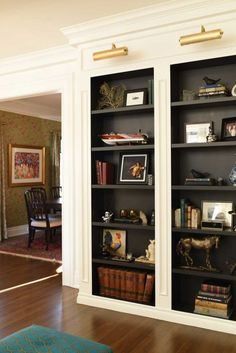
x,y
106,275
122,284
107,173
140,286
148,288
101,280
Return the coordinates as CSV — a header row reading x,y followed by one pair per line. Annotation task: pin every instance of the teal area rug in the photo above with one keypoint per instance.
x,y
38,339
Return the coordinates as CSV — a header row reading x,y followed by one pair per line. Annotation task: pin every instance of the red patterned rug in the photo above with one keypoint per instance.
x,y
18,246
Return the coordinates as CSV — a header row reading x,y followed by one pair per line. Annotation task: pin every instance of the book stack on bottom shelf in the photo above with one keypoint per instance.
x,y
214,299
134,286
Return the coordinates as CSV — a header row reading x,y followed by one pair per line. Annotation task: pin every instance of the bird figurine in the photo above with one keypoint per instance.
x,y
210,81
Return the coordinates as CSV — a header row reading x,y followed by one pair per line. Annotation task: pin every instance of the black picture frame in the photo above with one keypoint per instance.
x,y
135,97
129,172
228,129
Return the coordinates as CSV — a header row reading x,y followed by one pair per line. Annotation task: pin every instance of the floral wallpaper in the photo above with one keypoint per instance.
x,y
24,130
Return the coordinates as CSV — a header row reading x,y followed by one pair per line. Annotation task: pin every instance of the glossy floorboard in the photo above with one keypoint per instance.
x,y
15,270
48,303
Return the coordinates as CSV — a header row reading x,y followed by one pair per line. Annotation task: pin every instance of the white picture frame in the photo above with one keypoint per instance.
x,y
217,211
197,132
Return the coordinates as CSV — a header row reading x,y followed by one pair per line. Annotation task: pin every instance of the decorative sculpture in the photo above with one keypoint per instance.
x,y
185,245
143,217
150,251
111,97
211,137
107,217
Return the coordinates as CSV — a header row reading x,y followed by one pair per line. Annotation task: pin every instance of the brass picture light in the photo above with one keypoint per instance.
x,y
110,53
201,36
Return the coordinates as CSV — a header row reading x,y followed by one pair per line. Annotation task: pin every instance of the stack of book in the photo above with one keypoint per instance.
x,y
199,181
104,172
187,216
214,299
217,89
127,285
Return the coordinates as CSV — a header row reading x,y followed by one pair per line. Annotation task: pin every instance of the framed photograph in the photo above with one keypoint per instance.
x,y
135,97
197,132
217,211
114,240
26,165
133,168
228,129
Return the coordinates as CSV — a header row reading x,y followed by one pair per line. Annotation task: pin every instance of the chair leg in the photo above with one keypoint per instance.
x,y
31,236
46,238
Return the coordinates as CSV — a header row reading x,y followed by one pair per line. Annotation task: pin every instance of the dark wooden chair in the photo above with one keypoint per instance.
x,y
40,188
38,216
56,192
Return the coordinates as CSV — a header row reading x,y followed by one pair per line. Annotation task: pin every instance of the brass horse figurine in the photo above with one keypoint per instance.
x,y
185,245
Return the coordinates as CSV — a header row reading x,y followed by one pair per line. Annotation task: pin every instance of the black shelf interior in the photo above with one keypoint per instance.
x,y
225,232
206,188
216,158
114,197
203,102
123,225
204,145
123,148
120,111
122,264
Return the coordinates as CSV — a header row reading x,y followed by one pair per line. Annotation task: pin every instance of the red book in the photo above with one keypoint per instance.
x,y
112,273
214,287
140,285
107,173
99,172
148,288
101,280
117,284
122,284
106,281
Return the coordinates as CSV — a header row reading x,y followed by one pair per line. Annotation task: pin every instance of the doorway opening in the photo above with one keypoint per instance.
x,y
27,124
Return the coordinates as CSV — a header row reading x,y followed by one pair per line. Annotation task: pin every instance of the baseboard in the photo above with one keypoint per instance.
x,y
189,319
18,230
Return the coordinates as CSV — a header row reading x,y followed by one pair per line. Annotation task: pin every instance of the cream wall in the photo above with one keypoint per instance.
x,y
24,130
28,25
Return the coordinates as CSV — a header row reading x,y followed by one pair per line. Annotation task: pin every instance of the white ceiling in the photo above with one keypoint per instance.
x,y
31,25
45,106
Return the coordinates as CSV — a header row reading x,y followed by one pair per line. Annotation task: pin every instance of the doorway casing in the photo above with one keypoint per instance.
x,y
58,79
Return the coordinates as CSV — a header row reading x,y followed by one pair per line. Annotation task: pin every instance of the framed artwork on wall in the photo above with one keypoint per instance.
x,y
26,165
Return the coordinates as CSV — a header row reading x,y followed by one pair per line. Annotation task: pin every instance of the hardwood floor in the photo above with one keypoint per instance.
x,y
49,304
15,270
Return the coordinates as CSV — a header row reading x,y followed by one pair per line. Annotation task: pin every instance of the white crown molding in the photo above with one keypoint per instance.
x,y
31,109
172,13
37,59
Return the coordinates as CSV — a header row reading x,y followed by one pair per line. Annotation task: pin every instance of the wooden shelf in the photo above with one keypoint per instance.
x,y
119,111
203,274
204,145
226,232
123,148
204,102
118,225
136,265
123,186
204,188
